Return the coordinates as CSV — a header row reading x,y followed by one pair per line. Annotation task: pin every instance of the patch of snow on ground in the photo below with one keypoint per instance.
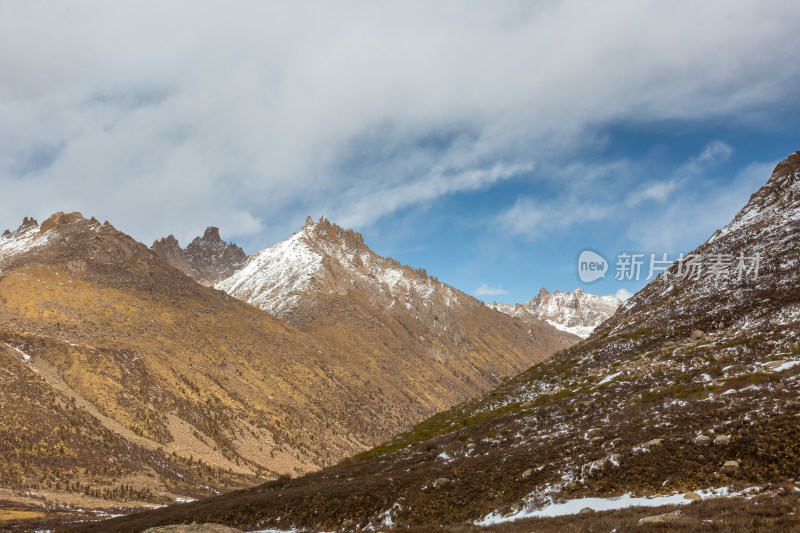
x,y
25,356
581,331
571,507
786,366
625,501
609,378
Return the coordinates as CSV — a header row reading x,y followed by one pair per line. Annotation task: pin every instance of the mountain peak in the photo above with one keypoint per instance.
x,y
780,188
778,199
170,251
26,224
212,234
543,292
328,231
789,167
575,312
207,259
169,241
323,258
60,219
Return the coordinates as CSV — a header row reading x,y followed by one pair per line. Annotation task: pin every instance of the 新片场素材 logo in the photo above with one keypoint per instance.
x,y
591,266
634,266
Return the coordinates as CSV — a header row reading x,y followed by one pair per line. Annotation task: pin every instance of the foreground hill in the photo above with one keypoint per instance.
x,y
575,312
126,382
690,390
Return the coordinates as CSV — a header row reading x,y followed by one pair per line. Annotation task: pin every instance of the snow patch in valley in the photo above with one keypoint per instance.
x,y
581,331
571,507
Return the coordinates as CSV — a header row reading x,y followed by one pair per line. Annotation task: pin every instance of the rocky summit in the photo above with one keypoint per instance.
x,y
687,394
207,259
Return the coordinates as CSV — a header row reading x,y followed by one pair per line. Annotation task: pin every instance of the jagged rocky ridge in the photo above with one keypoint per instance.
x,y
207,259
691,386
575,312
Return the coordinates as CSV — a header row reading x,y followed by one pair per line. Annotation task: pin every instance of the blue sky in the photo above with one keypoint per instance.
x,y
486,142
468,239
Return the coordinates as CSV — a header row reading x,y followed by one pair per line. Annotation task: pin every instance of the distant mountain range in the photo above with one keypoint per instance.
x,y
687,394
575,312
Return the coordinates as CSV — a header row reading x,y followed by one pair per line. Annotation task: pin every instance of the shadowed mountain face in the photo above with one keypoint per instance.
x,y
207,259
143,385
691,385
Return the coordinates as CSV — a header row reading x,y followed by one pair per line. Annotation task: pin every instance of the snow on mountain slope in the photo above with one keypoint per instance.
x,y
275,278
323,258
575,312
24,238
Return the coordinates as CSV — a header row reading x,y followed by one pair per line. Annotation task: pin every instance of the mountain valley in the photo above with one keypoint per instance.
x,y
687,396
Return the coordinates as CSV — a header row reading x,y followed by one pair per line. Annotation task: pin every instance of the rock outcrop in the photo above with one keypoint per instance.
x,y
207,259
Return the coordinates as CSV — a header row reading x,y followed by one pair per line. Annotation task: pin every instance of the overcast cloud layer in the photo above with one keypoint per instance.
x,y
170,116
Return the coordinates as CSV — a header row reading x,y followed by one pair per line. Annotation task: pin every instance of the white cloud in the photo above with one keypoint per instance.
x,y
714,153
250,116
382,200
485,290
536,219
658,191
623,294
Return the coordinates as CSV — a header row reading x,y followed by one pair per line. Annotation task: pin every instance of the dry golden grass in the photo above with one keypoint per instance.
x,y
9,515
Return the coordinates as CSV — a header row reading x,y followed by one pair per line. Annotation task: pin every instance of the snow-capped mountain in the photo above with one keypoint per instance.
x,y
327,282
576,312
207,259
24,238
323,258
